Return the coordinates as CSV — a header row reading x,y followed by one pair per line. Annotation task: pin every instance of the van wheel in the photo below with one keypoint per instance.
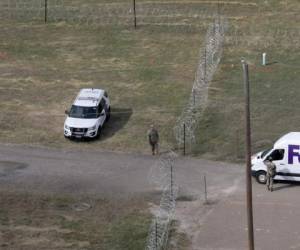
x,y
261,177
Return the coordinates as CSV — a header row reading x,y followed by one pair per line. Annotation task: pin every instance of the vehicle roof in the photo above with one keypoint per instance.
x,y
290,138
89,97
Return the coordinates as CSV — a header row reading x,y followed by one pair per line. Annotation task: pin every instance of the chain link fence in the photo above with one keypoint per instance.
x,y
210,56
162,174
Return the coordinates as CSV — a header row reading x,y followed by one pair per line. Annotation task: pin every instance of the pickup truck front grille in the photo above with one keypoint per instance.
x,y
78,130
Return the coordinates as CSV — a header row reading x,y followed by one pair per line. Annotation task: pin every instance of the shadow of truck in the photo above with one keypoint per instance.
x,y
118,119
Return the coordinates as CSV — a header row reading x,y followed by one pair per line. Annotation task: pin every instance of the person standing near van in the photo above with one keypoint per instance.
x,y
153,139
271,172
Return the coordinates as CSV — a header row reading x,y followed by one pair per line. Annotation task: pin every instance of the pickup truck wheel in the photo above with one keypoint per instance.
x,y
98,132
261,177
108,115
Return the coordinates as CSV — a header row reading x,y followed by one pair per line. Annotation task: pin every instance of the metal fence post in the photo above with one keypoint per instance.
x,y
237,140
194,98
134,13
46,11
156,245
205,64
183,138
171,181
205,189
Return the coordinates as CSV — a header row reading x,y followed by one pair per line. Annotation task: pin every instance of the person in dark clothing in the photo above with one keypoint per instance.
x,y
153,139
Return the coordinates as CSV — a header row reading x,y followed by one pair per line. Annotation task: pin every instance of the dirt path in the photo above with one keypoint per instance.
x,y
101,173
107,174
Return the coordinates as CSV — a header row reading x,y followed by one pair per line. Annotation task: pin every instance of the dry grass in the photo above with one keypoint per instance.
x,y
268,28
51,222
148,74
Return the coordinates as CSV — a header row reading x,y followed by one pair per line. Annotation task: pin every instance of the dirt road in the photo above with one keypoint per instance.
x,y
101,173
220,224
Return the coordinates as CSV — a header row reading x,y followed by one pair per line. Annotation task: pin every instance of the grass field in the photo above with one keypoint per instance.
x,y
149,72
32,222
271,28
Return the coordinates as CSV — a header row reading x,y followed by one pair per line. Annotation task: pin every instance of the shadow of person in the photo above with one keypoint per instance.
x,y
118,119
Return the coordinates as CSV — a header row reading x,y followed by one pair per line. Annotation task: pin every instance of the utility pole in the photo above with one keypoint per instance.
x,y
248,157
134,13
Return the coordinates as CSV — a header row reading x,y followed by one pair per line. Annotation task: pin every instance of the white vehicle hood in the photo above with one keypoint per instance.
x,y
256,158
80,123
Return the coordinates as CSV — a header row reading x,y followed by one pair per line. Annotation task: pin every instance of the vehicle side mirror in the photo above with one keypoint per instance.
x,y
67,112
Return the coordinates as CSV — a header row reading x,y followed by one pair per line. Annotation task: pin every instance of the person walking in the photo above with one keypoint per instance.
x,y
271,172
153,139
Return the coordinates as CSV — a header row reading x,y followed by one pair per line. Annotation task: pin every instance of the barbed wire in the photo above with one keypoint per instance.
x,y
162,174
210,56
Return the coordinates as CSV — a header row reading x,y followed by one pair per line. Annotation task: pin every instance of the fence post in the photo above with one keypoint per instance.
x,y
219,21
134,13
204,64
205,189
171,181
194,97
237,139
46,11
264,57
183,138
156,234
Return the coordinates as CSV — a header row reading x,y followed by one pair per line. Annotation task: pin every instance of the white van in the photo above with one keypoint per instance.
x,y
89,112
286,156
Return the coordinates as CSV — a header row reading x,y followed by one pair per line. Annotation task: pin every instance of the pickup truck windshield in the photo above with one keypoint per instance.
x,y
83,112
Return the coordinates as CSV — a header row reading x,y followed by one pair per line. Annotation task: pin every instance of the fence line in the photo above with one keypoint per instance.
x,y
210,56
163,13
162,174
